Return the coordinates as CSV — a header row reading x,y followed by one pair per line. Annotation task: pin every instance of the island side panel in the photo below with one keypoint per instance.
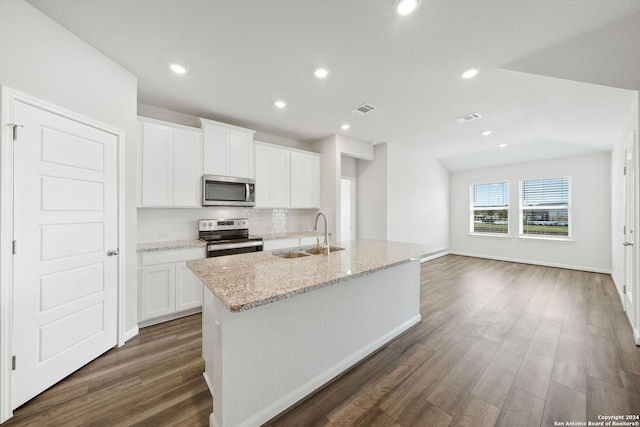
x,y
272,356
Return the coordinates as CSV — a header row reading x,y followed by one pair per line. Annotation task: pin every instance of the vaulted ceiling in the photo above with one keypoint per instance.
x,y
557,77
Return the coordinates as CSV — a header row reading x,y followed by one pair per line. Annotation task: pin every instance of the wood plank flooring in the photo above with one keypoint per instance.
x,y
500,344
155,379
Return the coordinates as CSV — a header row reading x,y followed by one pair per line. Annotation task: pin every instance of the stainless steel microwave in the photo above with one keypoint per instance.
x,y
228,191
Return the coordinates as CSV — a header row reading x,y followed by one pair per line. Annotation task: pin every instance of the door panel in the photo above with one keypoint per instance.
x,y
65,220
629,217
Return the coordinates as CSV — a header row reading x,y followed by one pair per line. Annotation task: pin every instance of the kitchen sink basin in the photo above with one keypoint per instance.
x,y
292,254
318,251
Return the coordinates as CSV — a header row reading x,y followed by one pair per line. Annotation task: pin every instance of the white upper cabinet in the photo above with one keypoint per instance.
x,y
286,178
169,165
305,180
228,150
272,177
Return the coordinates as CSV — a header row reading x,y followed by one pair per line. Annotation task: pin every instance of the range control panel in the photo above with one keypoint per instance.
x,y
223,224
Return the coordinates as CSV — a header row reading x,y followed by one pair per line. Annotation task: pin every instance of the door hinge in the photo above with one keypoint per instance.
x,y
624,230
624,171
14,247
15,130
13,363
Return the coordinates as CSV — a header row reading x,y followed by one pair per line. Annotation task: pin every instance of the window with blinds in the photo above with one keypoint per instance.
x,y
490,208
545,207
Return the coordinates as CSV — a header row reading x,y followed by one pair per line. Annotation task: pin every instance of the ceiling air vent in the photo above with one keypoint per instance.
x,y
468,118
363,109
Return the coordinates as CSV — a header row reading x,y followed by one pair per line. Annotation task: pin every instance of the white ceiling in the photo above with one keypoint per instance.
x,y
243,54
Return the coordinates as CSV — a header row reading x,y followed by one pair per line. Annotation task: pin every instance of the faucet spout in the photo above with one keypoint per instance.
x,y
326,228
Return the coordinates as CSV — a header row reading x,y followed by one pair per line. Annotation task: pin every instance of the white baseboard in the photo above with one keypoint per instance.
x,y
325,377
131,333
439,254
618,288
541,263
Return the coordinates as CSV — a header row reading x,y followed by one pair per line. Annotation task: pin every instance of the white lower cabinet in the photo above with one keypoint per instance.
x,y
291,242
168,289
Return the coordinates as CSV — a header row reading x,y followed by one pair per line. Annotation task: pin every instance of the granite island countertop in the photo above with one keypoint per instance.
x,y
251,280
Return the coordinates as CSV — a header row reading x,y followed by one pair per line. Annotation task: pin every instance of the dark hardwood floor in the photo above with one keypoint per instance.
x,y
155,379
500,344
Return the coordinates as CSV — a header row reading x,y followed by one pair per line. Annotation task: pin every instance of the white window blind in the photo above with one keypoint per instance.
x,y
490,208
545,207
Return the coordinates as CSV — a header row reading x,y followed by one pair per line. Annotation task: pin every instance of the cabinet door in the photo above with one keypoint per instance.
x,y
215,150
279,182
273,244
263,177
157,291
188,288
305,180
187,168
240,153
314,181
157,165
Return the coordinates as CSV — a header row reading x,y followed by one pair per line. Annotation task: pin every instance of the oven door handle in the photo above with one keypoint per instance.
x,y
226,246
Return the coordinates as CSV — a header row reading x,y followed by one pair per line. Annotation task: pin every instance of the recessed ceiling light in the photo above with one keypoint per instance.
x,y
321,72
280,103
406,7
177,68
470,73
345,127
502,145
487,132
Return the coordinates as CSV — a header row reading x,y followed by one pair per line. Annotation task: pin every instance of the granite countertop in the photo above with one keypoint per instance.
x,y
174,244
250,280
290,234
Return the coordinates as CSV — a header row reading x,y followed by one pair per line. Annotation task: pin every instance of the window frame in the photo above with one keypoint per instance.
x,y
473,209
521,209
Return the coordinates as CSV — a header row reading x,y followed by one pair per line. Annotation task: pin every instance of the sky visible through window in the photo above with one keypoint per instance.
x,y
491,195
545,192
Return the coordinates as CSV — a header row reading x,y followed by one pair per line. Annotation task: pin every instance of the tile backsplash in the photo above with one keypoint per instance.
x,y
157,225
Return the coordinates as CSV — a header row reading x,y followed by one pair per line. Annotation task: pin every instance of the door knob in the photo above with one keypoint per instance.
x,y
627,243
113,252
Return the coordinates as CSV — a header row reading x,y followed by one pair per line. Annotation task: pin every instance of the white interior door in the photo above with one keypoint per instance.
x,y
65,222
347,208
630,296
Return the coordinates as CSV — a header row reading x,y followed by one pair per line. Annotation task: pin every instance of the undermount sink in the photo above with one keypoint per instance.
x,y
308,252
292,255
318,251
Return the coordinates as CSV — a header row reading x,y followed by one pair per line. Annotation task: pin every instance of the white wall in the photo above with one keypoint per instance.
x,y
372,196
42,59
590,248
349,166
417,198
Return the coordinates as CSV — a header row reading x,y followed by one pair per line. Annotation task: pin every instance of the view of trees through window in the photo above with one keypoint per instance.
x,y
490,208
545,207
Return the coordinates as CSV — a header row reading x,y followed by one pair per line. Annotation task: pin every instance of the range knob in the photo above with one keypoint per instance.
x,y
210,224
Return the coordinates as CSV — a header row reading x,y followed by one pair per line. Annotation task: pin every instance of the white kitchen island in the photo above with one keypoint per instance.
x,y
276,329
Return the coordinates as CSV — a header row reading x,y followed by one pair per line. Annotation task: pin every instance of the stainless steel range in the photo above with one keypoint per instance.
x,y
228,237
